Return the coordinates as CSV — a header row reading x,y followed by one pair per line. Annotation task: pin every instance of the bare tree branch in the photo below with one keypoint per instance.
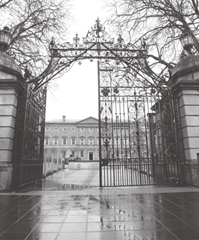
x,y
161,23
32,24
3,3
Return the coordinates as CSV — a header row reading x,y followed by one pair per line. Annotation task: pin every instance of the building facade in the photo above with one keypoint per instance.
x,y
66,139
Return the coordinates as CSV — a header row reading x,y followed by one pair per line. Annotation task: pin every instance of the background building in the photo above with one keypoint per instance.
x,y
65,138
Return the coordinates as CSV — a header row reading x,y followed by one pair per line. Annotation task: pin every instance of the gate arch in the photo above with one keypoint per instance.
x,y
139,128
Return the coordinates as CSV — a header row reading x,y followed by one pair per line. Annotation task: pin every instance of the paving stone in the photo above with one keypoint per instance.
x,y
46,211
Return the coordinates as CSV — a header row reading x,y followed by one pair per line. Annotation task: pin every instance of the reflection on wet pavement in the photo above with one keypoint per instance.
x,y
147,213
68,180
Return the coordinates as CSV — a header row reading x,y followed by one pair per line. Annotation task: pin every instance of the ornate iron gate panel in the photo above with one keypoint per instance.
x,y
139,138
29,137
139,127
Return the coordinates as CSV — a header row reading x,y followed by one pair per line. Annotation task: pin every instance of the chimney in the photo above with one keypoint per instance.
x,y
64,118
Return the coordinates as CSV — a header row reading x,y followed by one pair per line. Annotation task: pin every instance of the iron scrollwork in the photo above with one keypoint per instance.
x,y
141,125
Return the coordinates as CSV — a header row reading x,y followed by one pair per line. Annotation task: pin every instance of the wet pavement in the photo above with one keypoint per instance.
x,y
68,180
57,210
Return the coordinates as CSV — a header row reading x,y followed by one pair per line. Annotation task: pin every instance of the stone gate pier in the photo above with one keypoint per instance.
x,y
185,79
10,85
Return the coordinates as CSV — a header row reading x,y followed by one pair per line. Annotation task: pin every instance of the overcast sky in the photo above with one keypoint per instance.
x,y
76,93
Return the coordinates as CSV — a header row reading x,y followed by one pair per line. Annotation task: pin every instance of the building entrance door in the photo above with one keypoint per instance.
x,y
90,156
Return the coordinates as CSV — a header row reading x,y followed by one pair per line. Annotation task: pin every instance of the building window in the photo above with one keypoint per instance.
x,y
65,129
73,141
72,153
82,141
47,129
64,141
46,141
55,141
91,141
73,129
82,154
90,129
55,129
82,129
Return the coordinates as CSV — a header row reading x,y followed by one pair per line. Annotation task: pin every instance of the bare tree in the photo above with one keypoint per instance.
x,y
32,24
158,26
4,3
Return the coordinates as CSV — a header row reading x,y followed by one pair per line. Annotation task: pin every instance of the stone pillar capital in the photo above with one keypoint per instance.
x,y
185,75
10,73
185,85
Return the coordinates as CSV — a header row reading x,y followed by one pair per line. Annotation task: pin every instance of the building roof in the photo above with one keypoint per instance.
x,y
61,121
85,120
88,120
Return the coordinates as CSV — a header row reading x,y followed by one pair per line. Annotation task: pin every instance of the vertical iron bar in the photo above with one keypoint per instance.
x,y
146,138
106,147
118,142
179,142
112,175
163,145
125,142
99,113
129,132
137,138
121,142
158,144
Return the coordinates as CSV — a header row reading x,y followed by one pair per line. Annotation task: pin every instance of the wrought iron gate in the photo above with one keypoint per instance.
x,y
29,137
139,126
139,132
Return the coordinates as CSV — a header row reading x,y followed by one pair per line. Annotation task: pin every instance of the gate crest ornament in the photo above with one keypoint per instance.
x,y
138,123
137,143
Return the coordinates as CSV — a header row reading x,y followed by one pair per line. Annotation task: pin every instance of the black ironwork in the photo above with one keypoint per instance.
x,y
140,132
29,137
97,44
139,141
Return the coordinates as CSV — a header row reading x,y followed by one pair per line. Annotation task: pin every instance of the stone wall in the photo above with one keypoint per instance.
x,y
185,81
10,85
